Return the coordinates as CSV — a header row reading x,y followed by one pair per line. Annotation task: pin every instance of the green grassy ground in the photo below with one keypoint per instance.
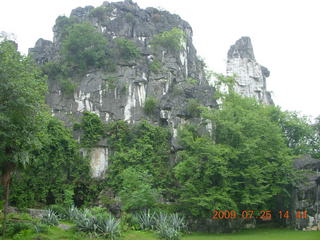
x,y
259,234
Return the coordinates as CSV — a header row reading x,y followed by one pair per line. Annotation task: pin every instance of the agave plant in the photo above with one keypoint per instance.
x,y
86,224
168,232
161,219
51,218
177,222
109,227
146,219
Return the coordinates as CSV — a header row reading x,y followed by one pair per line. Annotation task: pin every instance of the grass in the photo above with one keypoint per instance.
x,y
258,234
56,233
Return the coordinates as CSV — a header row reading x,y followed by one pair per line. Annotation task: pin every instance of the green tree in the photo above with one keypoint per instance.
x,y
203,175
143,146
57,175
83,47
137,192
22,91
246,164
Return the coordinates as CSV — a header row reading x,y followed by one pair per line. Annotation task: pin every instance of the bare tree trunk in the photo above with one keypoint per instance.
x,y
7,171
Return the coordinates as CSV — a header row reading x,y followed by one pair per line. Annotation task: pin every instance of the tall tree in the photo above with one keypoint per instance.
x,y
22,112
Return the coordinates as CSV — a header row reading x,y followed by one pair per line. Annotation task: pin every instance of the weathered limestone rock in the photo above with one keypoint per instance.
x,y
250,76
134,81
99,161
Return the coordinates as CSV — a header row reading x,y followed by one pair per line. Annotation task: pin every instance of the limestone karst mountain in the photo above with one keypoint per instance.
x,y
250,76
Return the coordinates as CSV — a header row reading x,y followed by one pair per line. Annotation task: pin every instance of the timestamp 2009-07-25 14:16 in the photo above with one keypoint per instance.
x,y
264,215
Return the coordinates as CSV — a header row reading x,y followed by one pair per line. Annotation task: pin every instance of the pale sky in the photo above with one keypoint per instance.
x,y
285,35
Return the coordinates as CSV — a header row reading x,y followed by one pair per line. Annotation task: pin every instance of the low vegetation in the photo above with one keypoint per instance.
x,y
150,105
171,40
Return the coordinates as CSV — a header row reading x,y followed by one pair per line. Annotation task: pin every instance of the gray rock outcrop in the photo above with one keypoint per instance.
x,y
250,76
135,82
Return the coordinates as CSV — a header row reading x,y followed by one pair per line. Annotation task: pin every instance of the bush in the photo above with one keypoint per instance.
x,y
41,228
51,218
192,81
171,40
193,108
110,82
166,224
137,192
146,219
150,105
155,66
14,228
126,49
83,47
109,227
168,232
99,12
93,129
100,225
60,210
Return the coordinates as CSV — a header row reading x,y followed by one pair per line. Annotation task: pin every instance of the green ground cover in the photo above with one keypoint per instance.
x,y
56,233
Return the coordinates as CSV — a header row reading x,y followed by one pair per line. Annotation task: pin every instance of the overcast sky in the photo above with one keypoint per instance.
x,y
285,35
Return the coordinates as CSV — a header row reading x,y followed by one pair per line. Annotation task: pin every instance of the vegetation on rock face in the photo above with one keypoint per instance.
x,y
193,108
155,66
83,47
150,105
92,128
126,49
22,115
171,40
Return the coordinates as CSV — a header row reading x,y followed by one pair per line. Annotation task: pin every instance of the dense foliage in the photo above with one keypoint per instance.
x,y
171,40
246,165
22,113
57,171
144,147
126,49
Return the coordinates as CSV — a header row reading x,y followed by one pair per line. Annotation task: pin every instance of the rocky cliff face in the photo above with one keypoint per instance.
x,y
250,76
180,78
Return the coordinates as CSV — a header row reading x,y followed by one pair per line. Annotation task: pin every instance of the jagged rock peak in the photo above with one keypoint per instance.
x,y
242,49
173,79
250,76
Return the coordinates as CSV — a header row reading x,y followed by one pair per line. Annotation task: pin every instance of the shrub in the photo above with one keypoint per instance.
x,y
146,219
192,81
60,210
155,66
109,227
110,82
14,228
168,232
59,72
83,47
99,12
126,49
93,129
41,228
171,40
193,108
137,192
51,218
101,225
150,105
